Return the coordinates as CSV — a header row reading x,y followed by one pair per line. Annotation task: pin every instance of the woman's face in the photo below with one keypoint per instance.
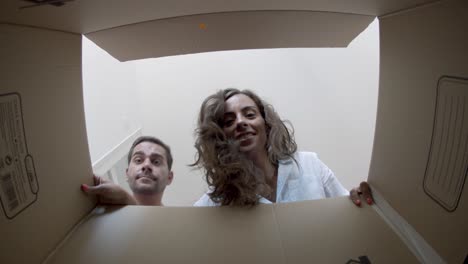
x,y
244,123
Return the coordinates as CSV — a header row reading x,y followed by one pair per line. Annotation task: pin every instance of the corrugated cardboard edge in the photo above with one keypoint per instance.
x,y
410,8
410,237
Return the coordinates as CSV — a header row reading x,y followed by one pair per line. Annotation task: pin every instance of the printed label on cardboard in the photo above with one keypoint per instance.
x,y
447,165
18,182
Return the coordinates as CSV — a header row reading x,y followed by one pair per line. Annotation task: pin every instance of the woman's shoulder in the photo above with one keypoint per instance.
x,y
300,157
205,200
305,155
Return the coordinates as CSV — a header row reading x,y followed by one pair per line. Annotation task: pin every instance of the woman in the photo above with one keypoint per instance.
x,y
249,156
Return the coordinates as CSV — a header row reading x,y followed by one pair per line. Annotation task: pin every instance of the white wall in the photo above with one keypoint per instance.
x,y
111,105
329,94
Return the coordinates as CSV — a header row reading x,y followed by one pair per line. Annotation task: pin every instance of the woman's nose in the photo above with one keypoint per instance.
x,y
240,122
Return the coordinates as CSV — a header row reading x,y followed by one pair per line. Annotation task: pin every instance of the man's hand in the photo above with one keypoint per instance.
x,y
365,191
108,192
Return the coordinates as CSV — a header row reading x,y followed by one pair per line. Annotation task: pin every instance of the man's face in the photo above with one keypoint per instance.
x,y
148,172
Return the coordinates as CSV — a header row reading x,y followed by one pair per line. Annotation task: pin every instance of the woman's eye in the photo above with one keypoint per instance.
x,y
251,115
228,123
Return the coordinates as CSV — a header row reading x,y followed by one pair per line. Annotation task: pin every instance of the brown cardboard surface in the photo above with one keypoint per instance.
x,y
230,31
325,231
85,16
417,49
335,231
138,234
44,68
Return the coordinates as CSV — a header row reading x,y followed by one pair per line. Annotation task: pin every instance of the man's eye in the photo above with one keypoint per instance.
x,y
137,160
156,162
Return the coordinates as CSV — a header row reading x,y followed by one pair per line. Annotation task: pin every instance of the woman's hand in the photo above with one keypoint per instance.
x,y
364,192
108,192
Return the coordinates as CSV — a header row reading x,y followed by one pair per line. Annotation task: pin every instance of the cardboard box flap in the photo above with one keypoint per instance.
x,y
322,231
139,234
230,31
335,231
89,16
44,153
420,160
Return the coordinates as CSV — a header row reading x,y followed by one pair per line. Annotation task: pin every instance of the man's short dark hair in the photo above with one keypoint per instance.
x,y
155,141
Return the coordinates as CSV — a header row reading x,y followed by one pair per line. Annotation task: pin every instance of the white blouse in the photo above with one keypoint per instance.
x,y
309,179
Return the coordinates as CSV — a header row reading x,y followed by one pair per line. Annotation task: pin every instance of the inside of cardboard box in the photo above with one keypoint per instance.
x,y
84,17
311,231
419,57
418,47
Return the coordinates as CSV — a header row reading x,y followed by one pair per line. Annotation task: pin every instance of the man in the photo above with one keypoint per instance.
x,y
148,174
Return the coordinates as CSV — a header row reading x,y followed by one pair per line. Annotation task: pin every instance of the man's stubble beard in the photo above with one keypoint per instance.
x,y
147,190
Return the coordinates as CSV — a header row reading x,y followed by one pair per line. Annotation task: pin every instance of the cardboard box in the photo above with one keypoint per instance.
x,y
419,160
